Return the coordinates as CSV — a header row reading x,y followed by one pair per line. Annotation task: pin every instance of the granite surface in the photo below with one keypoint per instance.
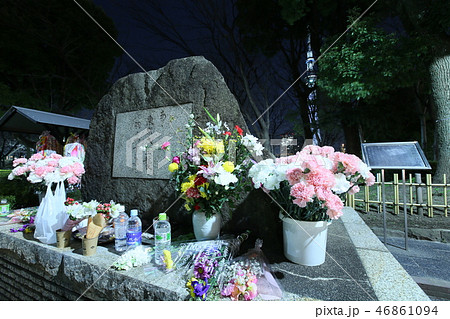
x,y
388,278
183,86
139,136
341,277
357,267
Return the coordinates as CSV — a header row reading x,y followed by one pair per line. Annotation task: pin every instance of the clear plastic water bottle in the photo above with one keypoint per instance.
x,y
134,230
4,206
120,231
162,238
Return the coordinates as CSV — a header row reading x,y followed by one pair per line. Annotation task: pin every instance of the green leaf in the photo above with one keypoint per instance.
x,y
204,133
210,116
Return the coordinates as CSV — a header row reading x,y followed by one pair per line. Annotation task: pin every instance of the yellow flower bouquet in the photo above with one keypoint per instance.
x,y
213,168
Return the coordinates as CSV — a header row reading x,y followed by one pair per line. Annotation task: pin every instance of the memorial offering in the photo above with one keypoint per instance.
x,y
309,187
25,216
74,148
47,144
51,215
214,274
203,264
49,169
214,165
4,207
136,257
101,213
79,211
212,171
249,276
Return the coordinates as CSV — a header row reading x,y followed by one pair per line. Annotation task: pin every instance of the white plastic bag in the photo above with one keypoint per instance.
x,y
61,209
51,215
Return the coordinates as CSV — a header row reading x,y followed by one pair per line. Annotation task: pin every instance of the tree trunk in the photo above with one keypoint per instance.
x,y
304,112
422,110
440,87
350,128
352,144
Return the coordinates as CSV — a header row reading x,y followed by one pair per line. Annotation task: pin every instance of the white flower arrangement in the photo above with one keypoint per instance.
x,y
116,209
136,257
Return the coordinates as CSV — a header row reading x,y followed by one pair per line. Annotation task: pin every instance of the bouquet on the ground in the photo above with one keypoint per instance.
x,y
241,280
25,216
49,169
311,184
214,275
135,257
213,168
249,276
206,269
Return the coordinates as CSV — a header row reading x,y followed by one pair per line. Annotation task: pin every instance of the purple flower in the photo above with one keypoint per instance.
x,y
194,155
207,171
204,267
200,290
21,229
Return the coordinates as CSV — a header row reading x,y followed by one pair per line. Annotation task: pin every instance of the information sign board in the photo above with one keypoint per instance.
x,y
394,155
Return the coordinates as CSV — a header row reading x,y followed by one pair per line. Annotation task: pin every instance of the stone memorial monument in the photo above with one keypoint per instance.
x,y
124,160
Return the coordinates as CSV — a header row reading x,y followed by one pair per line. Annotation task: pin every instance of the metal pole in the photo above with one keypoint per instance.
x,y
384,204
404,209
419,194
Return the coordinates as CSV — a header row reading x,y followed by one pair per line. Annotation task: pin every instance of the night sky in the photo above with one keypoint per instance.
x,y
153,51
149,50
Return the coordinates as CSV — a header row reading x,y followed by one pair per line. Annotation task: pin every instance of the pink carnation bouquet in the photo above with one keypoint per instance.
x,y
48,169
311,184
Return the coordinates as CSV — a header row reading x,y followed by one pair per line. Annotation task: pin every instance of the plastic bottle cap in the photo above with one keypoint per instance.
x,y
162,216
134,212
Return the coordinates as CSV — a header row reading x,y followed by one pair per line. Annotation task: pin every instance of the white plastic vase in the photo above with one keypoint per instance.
x,y
305,242
206,229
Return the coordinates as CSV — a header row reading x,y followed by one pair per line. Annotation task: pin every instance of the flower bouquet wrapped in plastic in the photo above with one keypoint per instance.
x,y
186,254
25,216
249,276
136,257
22,215
202,262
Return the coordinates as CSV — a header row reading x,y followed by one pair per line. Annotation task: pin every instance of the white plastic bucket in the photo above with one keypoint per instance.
x,y
304,242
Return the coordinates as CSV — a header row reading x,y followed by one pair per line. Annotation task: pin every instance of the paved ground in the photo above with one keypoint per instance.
x,y
428,262
341,277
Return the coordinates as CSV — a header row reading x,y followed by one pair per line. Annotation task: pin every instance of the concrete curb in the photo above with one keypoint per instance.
x,y
439,235
389,279
433,287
